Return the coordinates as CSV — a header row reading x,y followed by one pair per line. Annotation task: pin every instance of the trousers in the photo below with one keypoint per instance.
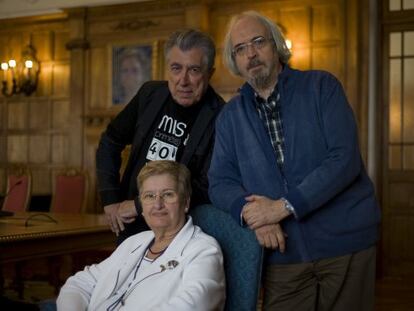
x,y
339,283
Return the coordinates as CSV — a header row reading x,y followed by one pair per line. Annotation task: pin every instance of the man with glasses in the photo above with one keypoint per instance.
x,y
166,120
286,163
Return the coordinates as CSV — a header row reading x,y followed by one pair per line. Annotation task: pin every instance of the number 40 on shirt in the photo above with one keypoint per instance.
x,y
160,150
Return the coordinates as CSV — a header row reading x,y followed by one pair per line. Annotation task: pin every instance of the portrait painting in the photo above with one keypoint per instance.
x,y
131,67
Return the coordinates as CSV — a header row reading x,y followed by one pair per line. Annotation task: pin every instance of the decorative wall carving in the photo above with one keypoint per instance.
x,y
134,25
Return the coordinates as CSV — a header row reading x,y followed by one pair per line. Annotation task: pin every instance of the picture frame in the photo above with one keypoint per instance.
x,y
131,66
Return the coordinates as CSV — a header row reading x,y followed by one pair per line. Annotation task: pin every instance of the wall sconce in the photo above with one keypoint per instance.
x,y
23,75
288,44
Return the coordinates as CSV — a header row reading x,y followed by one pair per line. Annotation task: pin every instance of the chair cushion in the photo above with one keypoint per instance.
x,y
242,256
69,194
18,193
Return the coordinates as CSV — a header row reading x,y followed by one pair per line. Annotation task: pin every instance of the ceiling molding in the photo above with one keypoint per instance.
x,y
23,8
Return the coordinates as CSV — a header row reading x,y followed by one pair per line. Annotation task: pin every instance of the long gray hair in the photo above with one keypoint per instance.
x,y
281,48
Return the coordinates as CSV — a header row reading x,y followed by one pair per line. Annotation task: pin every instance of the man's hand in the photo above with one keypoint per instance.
x,y
260,211
113,219
127,211
271,236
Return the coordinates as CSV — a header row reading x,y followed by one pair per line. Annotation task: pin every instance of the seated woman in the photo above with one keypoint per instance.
x,y
174,266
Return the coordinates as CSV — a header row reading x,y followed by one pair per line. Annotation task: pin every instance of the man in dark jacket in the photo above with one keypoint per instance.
x,y
286,156
166,120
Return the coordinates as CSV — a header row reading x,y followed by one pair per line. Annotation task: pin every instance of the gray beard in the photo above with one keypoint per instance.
x,y
261,81
264,79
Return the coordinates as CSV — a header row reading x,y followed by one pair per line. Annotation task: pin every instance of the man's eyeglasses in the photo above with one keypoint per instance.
x,y
258,43
168,196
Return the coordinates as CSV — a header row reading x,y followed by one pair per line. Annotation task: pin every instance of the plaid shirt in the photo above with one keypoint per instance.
x,y
269,112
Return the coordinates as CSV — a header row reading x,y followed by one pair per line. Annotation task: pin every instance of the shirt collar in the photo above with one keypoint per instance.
x,y
261,101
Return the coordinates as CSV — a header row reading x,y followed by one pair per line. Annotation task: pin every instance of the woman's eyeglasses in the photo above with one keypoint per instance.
x,y
168,196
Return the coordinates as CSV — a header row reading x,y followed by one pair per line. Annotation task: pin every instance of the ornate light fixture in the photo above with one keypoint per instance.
x,y
24,75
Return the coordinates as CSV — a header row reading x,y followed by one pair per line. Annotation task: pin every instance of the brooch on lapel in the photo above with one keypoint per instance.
x,y
170,265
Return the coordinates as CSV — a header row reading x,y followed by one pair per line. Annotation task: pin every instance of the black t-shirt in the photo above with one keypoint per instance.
x,y
168,136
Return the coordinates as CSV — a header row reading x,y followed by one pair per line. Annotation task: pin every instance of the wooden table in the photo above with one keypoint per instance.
x,y
29,235
41,237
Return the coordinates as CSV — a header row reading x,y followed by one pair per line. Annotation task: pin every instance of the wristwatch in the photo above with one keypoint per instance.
x,y
289,207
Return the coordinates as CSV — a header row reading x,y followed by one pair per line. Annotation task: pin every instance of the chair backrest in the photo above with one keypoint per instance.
x,y
19,188
242,253
70,192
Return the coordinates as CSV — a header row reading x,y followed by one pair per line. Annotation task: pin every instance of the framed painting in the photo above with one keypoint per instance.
x,y
132,66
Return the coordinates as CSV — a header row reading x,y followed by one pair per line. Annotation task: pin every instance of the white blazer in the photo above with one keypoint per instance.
x,y
189,275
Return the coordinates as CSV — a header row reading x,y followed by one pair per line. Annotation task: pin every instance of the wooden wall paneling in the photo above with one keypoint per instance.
x,y
14,46
92,135
353,32
60,52
326,24
197,16
77,46
17,148
59,149
41,181
44,86
17,115
357,79
28,136
143,26
68,103
39,149
297,23
328,58
39,115
158,62
99,78
327,39
60,79
3,49
42,40
60,114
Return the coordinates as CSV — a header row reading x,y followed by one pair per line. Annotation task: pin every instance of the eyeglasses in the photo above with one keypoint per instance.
x,y
168,196
258,43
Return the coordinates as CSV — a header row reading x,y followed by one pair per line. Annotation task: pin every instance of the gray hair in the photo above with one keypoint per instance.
x,y
179,172
189,39
281,48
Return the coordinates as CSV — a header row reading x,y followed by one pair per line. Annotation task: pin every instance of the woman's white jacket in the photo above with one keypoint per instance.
x,y
189,275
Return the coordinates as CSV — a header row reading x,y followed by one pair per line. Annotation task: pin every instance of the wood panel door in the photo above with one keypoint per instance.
x,y
398,142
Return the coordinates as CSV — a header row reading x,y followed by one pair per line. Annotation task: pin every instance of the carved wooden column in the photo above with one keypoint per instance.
x,y
78,46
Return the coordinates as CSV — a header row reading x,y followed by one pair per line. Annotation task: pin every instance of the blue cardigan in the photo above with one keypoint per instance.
x,y
323,175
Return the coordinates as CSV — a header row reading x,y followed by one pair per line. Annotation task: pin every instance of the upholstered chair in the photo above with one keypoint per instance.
x,y
70,191
242,256
19,188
